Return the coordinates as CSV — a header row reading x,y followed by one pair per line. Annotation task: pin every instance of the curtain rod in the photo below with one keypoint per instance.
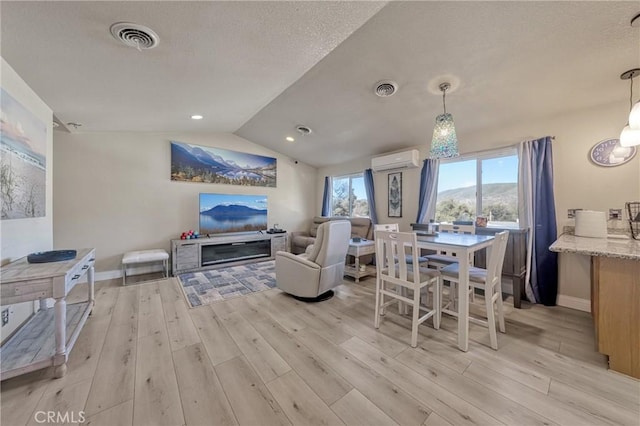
x,y
485,151
553,138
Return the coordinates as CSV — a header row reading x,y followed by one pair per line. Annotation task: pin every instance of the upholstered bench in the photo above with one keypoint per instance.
x,y
144,256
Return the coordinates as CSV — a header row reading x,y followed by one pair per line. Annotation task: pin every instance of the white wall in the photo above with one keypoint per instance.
x,y
23,236
578,183
114,193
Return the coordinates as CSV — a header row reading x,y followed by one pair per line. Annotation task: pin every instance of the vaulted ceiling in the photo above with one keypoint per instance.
x,y
258,69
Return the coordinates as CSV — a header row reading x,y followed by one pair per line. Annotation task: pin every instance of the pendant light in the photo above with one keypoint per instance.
x,y
630,135
445,142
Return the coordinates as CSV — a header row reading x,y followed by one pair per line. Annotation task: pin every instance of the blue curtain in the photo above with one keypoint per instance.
x,y
428,190
326,197
543,281
371,197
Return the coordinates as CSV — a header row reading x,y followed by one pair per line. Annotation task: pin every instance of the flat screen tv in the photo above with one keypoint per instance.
x,y
227,213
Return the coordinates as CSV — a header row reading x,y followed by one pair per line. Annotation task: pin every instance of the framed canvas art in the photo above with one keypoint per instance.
x,y
23,163
204,164
395,194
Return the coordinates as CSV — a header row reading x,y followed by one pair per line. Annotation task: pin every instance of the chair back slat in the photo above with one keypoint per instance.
x,y
496,257
391,254
386,227
457,229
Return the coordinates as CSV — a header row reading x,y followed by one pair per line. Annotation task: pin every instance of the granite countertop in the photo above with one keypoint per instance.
x,y
609,247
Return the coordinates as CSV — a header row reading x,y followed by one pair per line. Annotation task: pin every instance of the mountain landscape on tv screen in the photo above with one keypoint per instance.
x,y
192,163
234,211
226,218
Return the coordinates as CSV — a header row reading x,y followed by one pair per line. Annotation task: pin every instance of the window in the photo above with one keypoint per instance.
x,y
482,185
348,196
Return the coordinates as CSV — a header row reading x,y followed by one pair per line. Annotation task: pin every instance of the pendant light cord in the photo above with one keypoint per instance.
x,y
444,92
631,95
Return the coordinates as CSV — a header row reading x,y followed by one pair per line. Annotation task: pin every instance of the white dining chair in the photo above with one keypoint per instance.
x,y
443,258
394,270
424,262
489,280
396,228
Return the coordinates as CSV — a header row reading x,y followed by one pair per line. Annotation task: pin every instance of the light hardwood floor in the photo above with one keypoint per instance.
x,y
145,358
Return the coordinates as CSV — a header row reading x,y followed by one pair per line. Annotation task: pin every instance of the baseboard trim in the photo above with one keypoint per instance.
x,y
574,303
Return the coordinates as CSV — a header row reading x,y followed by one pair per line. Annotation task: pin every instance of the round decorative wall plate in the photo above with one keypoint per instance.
x,y
609,153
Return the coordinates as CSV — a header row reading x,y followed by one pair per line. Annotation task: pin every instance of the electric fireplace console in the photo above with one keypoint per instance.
x,y
225,250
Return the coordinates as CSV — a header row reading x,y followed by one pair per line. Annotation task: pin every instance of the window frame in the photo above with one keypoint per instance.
x,y
350,176
479,157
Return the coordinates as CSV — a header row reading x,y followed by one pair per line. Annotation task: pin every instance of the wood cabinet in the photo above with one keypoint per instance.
x,y
615,304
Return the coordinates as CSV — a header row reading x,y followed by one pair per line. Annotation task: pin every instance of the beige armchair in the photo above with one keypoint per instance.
x,y
311,276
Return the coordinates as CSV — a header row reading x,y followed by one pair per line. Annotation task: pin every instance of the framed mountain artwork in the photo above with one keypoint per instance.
x,y
204,164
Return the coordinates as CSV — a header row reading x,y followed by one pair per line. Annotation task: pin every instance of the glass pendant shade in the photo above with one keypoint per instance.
x,y
629,136
445,141
634,117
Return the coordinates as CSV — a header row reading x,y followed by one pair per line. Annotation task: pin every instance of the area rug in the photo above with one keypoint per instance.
x,y
202,288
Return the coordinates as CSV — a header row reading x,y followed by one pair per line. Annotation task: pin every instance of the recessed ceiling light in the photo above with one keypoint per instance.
x,y
290,139
197,117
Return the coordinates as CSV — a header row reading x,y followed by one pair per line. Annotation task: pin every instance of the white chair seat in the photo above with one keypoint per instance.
x,y
425,273
421,259
478,275
441,259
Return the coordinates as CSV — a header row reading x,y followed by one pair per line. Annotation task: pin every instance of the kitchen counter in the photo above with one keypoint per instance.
x,y
615,296
609,247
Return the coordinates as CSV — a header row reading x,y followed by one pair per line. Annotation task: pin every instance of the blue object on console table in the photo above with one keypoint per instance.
x,y
51,256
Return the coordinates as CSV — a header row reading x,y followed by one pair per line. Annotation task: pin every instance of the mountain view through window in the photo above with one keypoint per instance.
x,y
479,187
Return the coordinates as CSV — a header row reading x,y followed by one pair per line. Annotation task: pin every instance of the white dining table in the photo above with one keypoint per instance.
x,y
462,246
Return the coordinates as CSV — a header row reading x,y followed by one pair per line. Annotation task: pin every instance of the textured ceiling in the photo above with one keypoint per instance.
x,y
509,62
224,60
260,68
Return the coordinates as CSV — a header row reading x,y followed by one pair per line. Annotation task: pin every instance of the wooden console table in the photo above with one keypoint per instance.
x,y
33,347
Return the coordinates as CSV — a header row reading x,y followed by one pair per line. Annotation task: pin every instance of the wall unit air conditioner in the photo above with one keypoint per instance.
x,y
399,160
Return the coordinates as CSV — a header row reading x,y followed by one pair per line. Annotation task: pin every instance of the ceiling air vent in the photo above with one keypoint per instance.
x,y
303,130
385,88
134,35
